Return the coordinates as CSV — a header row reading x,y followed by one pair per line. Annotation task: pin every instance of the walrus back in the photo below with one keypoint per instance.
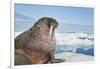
x,y
21,39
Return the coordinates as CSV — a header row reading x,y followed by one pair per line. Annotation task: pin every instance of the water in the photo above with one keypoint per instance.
x,y
86,51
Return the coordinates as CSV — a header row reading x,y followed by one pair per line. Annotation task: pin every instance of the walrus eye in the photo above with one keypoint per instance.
x,y
50,32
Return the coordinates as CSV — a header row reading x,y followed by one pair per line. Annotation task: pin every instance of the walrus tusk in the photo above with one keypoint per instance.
x,y
54,34
51,28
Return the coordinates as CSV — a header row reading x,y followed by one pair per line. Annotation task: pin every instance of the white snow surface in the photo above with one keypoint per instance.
x,y
72,39
73,57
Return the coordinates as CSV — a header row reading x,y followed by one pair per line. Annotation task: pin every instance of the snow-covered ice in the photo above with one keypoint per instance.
x,y
74,39
17,33
73,57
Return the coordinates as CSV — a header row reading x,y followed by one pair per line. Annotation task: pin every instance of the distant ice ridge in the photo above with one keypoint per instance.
x,y
17,33
75,39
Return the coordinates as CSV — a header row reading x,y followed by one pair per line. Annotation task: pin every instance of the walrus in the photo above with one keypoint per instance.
x,y
37,44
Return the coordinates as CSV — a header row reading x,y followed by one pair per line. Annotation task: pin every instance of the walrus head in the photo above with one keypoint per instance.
x,y
47,26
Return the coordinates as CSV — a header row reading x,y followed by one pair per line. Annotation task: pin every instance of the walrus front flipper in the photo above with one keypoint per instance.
x,y
54,60
57,60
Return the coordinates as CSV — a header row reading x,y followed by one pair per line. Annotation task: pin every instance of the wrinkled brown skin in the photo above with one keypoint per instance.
x,y
35,46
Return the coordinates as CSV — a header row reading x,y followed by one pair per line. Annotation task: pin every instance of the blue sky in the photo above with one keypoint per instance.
x,y
70,19
63,14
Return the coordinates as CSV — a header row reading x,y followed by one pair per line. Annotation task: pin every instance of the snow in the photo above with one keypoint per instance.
x,y
17,33
73,57
75,39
